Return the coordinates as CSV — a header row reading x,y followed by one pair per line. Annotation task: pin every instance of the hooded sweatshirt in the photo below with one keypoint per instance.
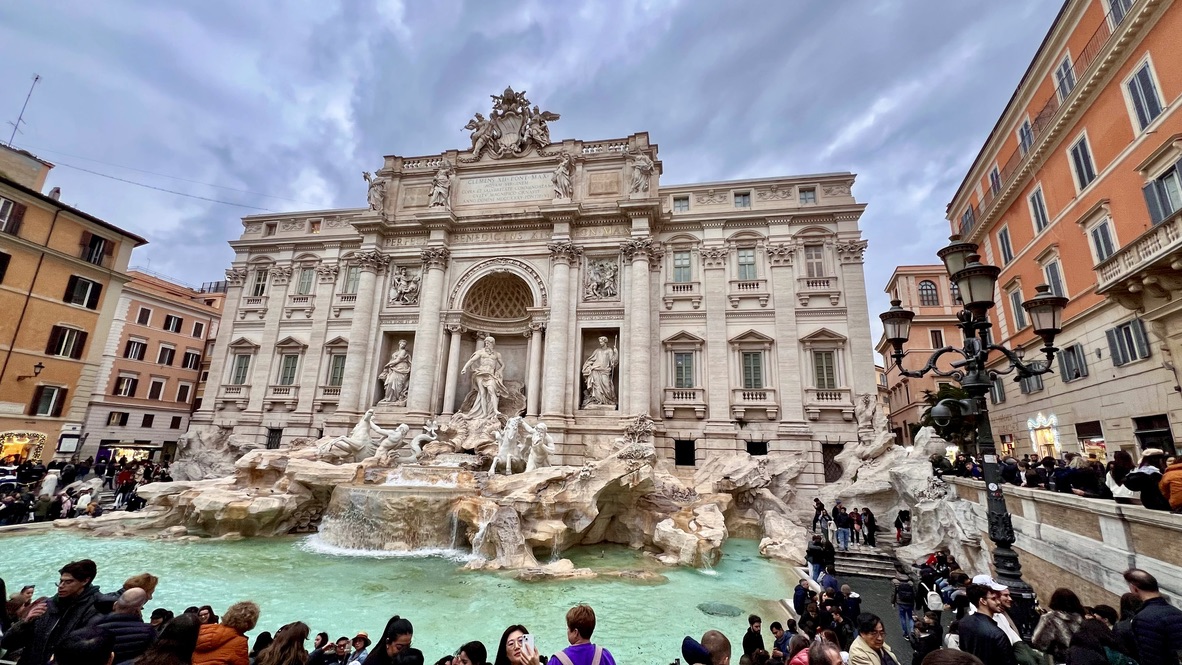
x,y
218,644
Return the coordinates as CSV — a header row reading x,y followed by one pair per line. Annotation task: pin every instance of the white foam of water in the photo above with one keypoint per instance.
x,y
395,479
316,544
708,571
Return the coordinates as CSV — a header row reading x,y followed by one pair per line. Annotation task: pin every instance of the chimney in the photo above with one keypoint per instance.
x,y
56,193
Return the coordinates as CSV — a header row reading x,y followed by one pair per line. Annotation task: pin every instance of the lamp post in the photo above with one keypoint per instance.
x,y
975,282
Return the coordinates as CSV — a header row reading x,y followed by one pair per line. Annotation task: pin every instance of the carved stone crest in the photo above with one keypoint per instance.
x,y
280,274
328,272
781,254
511,130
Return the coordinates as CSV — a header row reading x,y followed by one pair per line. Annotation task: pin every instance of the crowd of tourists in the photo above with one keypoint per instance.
x,y
22,500
845,526
1154,481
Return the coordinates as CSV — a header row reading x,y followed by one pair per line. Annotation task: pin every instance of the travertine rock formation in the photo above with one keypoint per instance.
x,y
204,453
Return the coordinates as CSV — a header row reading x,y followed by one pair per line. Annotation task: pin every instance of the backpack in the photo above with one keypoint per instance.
x,y
934,601
905,595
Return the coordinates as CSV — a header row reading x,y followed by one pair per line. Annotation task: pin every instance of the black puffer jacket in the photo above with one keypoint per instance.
x,y
1157,629
38,637
132,635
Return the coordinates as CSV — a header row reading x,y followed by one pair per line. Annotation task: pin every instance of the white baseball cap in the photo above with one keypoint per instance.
x,y
986,580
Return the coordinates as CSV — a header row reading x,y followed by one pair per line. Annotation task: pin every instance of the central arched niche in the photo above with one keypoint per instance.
x,y
498,305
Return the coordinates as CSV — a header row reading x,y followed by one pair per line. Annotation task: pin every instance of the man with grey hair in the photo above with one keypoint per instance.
x,y
126,625
825,653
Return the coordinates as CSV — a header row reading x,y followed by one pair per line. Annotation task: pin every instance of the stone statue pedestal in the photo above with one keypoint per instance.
x,y
600,407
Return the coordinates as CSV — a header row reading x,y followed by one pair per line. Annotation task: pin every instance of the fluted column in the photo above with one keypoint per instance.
x,y
640,251
563,254
372,264
534,377
453,368
422,371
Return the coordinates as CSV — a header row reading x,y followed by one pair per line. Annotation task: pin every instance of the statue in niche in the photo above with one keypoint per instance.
x,y
404,287
541,447
603,279
396,375
642,168
377,191
487,379
597,372
392,441
562,177
441,187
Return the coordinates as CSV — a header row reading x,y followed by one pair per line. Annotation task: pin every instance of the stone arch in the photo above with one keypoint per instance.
x,y
499,265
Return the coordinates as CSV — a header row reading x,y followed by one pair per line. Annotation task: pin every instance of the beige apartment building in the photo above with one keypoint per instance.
x,y
151,369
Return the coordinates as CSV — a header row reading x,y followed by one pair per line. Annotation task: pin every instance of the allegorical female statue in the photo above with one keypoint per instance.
x,y
597,372
396,375
487,372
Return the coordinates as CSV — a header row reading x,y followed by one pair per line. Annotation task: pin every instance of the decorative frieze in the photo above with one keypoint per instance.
x,y
774,193
404,286
336,223
613,314
822,313
435,257
712,197
291,225
253,228
602,281
839,189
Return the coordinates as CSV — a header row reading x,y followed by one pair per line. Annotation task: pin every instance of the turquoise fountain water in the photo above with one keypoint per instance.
x,y
340,592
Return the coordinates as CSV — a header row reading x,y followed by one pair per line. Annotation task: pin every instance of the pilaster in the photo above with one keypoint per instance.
x,y
563,253
427,334
371,263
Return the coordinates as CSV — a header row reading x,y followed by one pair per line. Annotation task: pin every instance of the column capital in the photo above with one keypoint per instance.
x,y
564,251
328,272
781,254
371,261
435,257
280,274
456,329
236,276
644,248
537,326
851,251
714,257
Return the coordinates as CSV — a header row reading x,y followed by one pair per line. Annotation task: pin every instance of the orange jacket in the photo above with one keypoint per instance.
x,y
221,645
1171,485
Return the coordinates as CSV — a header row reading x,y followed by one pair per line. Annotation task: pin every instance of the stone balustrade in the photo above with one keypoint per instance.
x,y
691,291
1065,540
748,288
750,399
684,398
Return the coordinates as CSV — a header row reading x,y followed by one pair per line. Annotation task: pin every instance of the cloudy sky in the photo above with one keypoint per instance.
x,y
280,106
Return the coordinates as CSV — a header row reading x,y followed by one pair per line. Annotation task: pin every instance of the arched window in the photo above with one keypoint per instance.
x,y
955,292
928,295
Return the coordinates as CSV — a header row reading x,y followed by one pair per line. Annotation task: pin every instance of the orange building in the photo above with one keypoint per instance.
x,y
927,291
61,274
151,369
1078,187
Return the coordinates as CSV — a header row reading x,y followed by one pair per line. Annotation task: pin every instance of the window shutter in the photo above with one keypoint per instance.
x,y
55,336
59,402
108,247
1114,348
1153,203
79,344
86,238
1081,360
71,286
36,400
134,384
1140,338
15,218
92,302
1064,364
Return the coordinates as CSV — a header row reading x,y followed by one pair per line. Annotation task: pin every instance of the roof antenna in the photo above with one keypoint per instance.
x,y
16,126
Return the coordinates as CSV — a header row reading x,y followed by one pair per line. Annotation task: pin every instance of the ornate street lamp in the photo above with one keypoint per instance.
x,y
976,282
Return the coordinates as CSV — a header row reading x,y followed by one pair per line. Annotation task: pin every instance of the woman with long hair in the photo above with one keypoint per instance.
x,y
1122,464
261,642
512,649
320,641
175,646
472,653
396,639
1056,628
205,613
287,647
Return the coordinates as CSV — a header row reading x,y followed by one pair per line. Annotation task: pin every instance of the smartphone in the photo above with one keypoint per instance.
x,y
527,639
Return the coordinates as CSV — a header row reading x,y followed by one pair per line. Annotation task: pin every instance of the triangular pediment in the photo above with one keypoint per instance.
x,y
290,343
823,335
683,337
337,342
752,336
243,343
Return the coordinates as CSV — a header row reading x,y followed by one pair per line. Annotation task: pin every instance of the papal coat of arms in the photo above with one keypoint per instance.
x,y
511,130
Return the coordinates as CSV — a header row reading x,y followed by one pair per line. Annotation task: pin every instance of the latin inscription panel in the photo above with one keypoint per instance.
x,y
505,189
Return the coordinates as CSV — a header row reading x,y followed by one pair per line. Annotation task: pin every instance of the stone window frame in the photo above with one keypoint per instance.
x,y
747,240
749,341
677,198
683,243
1146,63
338,346
188,397
1050,256
288,346
816,237
241,347
825,339
683,342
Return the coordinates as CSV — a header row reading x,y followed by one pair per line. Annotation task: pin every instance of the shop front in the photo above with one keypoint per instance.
x,y
1091,440
132,451
22,445
1044,435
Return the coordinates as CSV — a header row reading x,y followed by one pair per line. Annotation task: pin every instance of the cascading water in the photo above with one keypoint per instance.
x,y
386,518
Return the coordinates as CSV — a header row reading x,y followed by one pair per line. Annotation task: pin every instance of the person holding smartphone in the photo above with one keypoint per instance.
x,y
48,620
580,624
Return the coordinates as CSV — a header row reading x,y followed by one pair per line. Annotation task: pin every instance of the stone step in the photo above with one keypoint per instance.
x,y
867,562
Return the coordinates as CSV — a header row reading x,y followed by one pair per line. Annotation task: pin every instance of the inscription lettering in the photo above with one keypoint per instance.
x,y
499,236
505,188
616,230
406,241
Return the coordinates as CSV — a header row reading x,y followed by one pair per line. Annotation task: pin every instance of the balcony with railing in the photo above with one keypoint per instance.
x,y
675,291
817,400
342,302
253,305
303,303
1045,120
743,289
1150,265
238,395
754,399
807,287
282,394
684,398
327,395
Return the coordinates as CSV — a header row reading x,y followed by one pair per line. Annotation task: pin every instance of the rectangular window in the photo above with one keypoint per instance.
x,y
6,208
1128,342
204,376
241,370
173,323
307,275
1025,137
814,260
997,391
1030,384
680,204
4,259
995,181
65,342
1003,241
135,349
937,338
274,437
1016,306
287,368
269,228
314,227
1073,363
95,248
82,291
808,195
1081,163
1143,93
148,420
336,369
1102,241
683,370
967,219
1038,210
752,370
182,393
1064,78
259,286
1163,196
352,279
682,271
117,418
144,317
166,355
176,423
757,448
825,370
1054,275
1118,9
742,199
684,452
156,389
125,386
198,329
191,360
746,263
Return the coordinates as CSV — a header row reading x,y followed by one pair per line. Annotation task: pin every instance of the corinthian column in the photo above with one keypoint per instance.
x,y
554,384
361,330
640,251
422,371
453,369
